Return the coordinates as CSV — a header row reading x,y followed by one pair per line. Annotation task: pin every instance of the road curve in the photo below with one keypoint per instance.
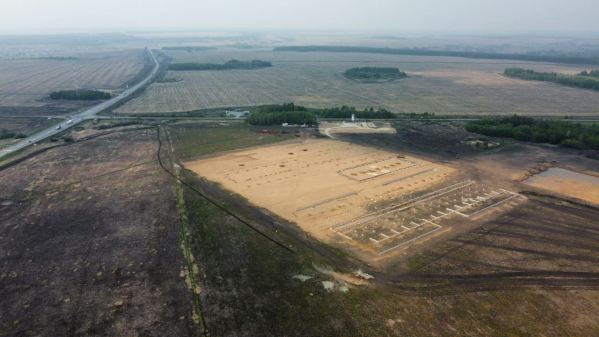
x,y
82,116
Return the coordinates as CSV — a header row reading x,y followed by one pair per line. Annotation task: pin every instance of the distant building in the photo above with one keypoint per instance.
x,y
237,113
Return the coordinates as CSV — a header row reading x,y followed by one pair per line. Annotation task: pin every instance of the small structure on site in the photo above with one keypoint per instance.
x,y
237,113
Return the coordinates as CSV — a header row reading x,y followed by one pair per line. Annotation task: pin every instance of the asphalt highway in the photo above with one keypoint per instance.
x,y
80,117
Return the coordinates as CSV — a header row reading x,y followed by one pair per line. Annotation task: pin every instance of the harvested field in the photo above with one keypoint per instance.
x,y
28,82
437,84
569,183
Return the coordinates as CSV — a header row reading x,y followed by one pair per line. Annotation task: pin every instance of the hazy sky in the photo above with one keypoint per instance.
x,y
450,16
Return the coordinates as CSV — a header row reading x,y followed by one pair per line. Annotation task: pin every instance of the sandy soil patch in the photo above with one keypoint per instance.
x,y
331,128
569,183
320,184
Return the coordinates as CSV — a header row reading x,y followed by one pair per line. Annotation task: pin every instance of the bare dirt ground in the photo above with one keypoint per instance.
x,y
320,184
359,197
436,84
89,242
329,129
26,83
569,183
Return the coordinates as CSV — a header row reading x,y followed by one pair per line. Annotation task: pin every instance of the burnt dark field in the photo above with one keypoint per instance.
x,y
83,255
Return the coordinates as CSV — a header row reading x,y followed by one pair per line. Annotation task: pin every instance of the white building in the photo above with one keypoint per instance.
x,y
237,113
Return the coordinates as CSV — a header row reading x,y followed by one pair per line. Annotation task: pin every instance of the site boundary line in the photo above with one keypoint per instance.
x,y
213,202
411,240
389,182
341,197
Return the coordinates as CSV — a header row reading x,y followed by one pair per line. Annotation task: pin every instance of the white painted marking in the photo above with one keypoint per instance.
x,y
409,241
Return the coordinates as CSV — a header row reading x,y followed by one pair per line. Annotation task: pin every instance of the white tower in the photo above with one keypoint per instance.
x,y
353,118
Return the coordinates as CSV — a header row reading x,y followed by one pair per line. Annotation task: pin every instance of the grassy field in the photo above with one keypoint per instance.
x,y
26,126
27,82
195,140
442,85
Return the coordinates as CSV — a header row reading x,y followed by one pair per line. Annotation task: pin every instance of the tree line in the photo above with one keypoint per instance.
x,y
568,59
281,107
187,48
592,73
57,58
569,80
5,134
232,64
575,135
374,74
346,112
277,114
80,95
297,114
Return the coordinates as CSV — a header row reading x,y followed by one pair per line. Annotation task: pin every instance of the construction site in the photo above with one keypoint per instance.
x,y
370,201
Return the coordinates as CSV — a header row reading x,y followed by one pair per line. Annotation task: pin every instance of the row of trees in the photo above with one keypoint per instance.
x,y
569,80
281,107
280,117
592,73
80,95
5,134
277,114
346,112
57,58
576,135
232,64
297,114
570,59
187,48
374,74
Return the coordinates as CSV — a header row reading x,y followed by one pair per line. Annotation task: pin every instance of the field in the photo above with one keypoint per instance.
x,y
90,243
92,238
26,83
436,84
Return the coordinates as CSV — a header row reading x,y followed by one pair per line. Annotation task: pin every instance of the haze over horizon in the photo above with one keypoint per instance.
x,y
401,16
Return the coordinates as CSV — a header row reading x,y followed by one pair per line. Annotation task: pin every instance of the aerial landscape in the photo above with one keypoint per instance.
x,y
187,170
